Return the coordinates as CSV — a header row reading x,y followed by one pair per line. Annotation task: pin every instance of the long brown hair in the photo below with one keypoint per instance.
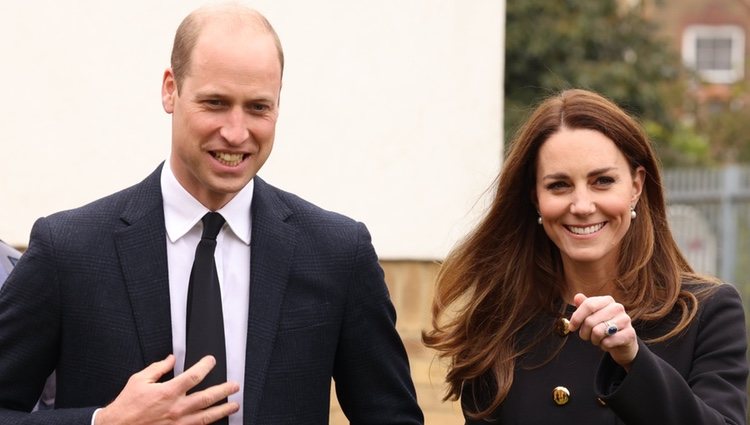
x,y
507,271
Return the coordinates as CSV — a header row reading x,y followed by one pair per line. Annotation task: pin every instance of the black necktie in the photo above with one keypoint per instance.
x,y
205,320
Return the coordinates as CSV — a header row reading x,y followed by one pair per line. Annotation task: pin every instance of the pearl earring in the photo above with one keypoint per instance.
x,y
633,214
539,220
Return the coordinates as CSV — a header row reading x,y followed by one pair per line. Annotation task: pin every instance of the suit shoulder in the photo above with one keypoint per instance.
x,y
320,230
306,211
147,192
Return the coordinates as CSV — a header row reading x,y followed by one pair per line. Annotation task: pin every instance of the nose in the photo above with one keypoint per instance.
x,y
234,130
582,203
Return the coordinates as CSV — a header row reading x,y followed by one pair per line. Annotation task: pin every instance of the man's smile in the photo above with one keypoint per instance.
x,y
229,159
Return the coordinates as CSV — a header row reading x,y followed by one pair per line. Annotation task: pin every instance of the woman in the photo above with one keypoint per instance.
x,y
570,303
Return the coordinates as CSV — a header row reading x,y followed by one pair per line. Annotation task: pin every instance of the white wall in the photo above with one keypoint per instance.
x,y
391,109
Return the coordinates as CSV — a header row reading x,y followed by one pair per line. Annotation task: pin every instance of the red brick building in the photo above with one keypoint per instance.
x,y
711,38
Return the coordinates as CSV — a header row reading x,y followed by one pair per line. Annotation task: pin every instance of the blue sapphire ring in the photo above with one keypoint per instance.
x,y
610,328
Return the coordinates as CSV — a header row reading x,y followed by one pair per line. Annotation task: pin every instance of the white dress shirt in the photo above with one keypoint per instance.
x,y
182,217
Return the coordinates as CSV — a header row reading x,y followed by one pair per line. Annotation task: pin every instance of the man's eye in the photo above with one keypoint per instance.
x,y
258,107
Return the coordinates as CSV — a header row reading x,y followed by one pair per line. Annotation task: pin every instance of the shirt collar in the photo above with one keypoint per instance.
x,y
182,211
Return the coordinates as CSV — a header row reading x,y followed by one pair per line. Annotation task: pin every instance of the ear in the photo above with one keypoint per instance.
x,y
639,179
168,91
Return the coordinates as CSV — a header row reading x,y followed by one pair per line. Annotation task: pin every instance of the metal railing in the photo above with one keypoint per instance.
x,y
709,212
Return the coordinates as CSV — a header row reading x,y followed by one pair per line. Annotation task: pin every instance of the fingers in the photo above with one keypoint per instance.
x,y
205,399
595,315
156,370
215,413
605,323
144,400
194,375
578,299
601,331
202,405
591,312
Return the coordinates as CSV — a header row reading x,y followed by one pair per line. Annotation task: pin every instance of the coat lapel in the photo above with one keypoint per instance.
x,y
272,246
141,248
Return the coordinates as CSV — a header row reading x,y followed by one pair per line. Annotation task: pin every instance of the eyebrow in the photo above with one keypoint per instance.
x,y
596,172
218,95
209,95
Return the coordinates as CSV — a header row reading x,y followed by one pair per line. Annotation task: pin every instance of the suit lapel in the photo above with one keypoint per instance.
x,y
272,246
141,248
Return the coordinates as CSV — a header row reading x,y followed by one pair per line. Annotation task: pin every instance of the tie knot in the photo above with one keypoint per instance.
x,y
212,223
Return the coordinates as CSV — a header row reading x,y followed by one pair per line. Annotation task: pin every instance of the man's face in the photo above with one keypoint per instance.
x,y
224,115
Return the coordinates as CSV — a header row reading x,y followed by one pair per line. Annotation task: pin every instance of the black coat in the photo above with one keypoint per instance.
x,y
698,377
90,299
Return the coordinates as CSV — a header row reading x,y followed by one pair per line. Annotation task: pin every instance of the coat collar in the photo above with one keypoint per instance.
x,y
142,251
272,246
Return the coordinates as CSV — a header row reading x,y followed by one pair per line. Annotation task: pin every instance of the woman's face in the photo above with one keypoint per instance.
x,y
584,193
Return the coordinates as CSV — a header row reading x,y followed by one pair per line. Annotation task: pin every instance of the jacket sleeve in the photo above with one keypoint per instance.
x,y
371,372
29,335
714,392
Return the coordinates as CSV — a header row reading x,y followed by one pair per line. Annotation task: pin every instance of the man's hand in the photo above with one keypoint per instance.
x,y
146,401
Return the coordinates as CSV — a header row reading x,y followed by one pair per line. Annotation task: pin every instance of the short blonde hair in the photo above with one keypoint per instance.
x,y
189,30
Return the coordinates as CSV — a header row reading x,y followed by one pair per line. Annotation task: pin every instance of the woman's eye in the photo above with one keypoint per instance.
x,y
604,180
557,185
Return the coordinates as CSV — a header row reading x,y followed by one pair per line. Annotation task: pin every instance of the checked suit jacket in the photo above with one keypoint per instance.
x,y
90,299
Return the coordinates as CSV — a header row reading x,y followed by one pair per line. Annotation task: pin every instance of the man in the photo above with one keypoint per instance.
x,y
106,287
8,258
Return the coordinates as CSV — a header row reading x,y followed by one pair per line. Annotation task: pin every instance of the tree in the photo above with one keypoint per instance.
x,y
725,122
602,46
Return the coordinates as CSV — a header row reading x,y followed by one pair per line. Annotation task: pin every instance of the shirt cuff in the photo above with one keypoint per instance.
x,y
93,417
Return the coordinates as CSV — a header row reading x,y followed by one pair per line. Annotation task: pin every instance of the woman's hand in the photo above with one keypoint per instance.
x,y
605,323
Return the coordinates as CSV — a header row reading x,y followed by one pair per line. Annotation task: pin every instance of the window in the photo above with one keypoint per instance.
x,y
717,53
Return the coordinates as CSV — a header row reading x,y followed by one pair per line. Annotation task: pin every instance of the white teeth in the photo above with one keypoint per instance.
x,y
586,230
230,159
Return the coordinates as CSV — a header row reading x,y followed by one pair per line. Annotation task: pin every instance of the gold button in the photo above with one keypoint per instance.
x,y
562,326
561,396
